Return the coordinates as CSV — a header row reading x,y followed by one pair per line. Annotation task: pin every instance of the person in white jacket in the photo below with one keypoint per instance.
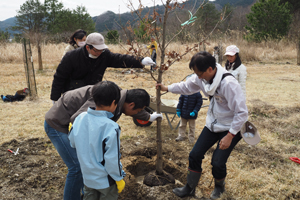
x,y
226,116
235,67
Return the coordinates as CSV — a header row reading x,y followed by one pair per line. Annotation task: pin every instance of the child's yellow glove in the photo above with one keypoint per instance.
x,y
120,185
70,126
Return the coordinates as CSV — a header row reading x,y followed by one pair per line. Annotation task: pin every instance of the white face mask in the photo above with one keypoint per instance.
x,y
81,44
92,56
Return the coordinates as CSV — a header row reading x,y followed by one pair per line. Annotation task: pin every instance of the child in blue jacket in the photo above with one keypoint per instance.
x,y
188,108
97,141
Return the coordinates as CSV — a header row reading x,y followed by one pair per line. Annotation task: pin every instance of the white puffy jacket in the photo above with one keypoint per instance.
x,y
240,74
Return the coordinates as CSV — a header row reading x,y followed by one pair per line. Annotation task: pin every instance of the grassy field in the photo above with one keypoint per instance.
x,y
260,172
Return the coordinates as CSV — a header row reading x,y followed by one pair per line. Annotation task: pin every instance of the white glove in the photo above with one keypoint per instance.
x,y
147,61
154,116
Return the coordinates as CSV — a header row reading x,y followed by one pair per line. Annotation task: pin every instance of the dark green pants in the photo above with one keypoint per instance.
x,y
110,193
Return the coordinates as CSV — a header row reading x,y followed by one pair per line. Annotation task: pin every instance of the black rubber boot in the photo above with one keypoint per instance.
x,y
219,189
189,189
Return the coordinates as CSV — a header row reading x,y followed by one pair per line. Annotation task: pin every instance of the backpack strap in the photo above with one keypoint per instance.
x,y
226,74
223,76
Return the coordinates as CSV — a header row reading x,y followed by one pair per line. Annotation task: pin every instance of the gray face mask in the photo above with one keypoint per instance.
x,y
92,56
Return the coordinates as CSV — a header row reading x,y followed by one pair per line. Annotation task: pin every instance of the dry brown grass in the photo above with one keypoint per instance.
x,y
260,172
276,51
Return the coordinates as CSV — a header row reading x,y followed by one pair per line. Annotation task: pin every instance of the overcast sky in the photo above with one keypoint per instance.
x,y
8,8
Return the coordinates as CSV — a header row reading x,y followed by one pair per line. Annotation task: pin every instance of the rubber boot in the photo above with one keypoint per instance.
x,y
189,189
219,189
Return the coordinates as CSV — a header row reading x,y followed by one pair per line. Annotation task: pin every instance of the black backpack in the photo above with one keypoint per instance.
x,y
224,75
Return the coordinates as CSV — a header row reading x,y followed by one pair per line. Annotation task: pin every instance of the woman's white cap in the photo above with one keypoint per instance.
x,y
231,50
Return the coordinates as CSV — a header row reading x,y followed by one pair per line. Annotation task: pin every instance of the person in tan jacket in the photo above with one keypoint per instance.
x,y
77,39
68,107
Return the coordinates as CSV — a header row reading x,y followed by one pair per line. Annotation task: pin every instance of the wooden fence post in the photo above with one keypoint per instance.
x,y
29,69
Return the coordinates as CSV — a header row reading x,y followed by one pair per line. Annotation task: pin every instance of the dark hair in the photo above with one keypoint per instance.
x,y
202,60
236,64
140,97
105,92
152,46
78,34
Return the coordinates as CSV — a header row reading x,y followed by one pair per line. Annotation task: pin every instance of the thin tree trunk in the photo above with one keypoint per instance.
x,y
298,52
39,55
159,160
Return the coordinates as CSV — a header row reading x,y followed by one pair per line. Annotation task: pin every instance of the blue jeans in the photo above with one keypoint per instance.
x,y
74,180
205,141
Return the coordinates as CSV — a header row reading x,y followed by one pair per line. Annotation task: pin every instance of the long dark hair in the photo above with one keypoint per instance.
x,y
235,64
78,34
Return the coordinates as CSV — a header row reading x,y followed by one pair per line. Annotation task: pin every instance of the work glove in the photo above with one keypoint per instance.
x,y
70,126
154,116
178,112
192,114
120,185
147,61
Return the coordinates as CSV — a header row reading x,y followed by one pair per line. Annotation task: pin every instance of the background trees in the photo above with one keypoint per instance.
x,y
268,20
30,22
207,17
36,20
112,37
4,36
51,19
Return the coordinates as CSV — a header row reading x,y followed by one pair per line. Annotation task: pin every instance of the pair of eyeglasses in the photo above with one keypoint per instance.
x,y
200,74
97,51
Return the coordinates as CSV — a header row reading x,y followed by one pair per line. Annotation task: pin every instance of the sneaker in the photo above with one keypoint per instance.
x,y
179,138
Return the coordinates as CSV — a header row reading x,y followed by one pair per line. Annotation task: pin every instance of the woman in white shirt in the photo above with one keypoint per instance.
x,y
76,40
235,67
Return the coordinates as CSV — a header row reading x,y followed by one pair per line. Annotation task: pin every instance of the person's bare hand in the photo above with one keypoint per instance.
x,y
225,141
162,87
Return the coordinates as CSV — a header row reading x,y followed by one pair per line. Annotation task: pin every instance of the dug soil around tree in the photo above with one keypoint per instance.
x,y
38,172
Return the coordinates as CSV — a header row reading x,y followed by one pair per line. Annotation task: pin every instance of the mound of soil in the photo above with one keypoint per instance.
x,y
38,172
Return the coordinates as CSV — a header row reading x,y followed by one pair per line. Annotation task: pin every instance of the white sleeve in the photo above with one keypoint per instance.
x,y
242,78
191,86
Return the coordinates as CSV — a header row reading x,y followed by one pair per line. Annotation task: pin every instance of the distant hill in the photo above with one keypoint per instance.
x,y
109,20
8,23
243,3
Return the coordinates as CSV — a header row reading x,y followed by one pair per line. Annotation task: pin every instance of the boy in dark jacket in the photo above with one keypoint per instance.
x,y
188,108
